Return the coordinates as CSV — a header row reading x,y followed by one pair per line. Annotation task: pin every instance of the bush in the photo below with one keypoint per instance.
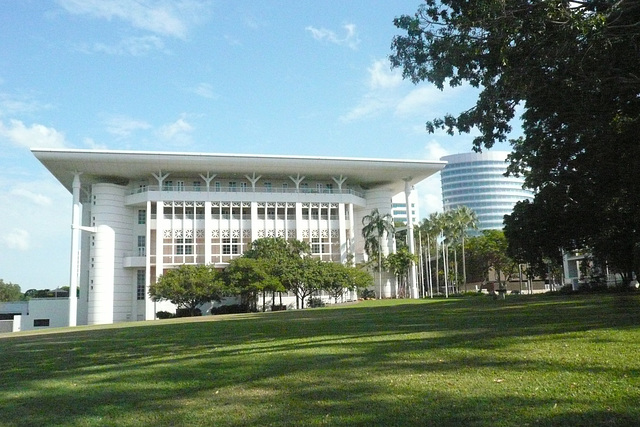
x,y
368,294
185,312
165,315
278,307
230,309
315,302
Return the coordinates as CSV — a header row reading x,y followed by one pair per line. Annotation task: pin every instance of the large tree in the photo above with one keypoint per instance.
x,y
9,291
189,286
572,67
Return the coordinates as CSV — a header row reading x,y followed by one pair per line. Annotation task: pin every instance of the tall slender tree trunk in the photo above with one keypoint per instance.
x,y
464,266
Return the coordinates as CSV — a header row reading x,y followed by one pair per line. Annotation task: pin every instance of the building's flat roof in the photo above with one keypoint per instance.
x,y
120,166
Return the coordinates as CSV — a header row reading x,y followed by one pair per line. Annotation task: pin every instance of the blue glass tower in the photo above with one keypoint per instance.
x,y
477,180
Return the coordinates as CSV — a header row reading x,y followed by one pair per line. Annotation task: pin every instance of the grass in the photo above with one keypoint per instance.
x,y
536,361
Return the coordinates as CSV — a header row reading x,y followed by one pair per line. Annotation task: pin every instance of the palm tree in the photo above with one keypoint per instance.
x,y
466,219
429,230
375,226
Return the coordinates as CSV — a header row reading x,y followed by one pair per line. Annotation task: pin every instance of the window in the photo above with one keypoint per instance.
x,y
197,185
184,246
140,282
316,247
141,245
142,216
267,187
142,188
232,186
304,187
230,246
243,187
319,187
40,322
167,186
217,187
180,186
285,186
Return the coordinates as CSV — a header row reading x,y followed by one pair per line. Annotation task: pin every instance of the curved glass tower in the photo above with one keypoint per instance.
x,y
477,180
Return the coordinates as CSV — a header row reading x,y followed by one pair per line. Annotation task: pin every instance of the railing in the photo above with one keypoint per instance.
x,y
197,189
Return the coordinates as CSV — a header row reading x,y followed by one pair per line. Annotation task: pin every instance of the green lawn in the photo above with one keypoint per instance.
x,y
523,361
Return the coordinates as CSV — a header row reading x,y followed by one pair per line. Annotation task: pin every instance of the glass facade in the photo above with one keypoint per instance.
x,y
477,180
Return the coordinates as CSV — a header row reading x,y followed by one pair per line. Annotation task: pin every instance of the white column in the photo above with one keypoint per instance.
x,y
75,265
208,228
412,245
342,236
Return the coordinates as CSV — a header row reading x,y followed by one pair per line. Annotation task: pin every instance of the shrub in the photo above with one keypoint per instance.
x,y
368,294
165,315
230,309
185,312
278,307
315,302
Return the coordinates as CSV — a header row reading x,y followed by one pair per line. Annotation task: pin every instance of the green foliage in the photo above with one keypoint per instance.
x,y
572,68
489,251
9,291
165,315
250,277
188,286
315,302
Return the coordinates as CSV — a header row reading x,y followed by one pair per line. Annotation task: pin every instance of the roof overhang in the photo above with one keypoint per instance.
x,y
125,166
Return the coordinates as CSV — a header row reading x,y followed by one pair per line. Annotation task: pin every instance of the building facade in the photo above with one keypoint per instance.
x,y
137,214
399,210
477,180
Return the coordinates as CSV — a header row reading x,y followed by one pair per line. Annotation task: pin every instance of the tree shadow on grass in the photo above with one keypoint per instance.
x,y
451,362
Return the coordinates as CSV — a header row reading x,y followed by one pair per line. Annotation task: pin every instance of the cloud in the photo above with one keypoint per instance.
x,y
36,135
381,76
17,239
165,17
382,93
434,151
350,39
178,131
205,90
122,126
11,105
38,199
135,46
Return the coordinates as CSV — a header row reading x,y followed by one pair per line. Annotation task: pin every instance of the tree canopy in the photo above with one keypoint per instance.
x,y
572,67
189,286
9,291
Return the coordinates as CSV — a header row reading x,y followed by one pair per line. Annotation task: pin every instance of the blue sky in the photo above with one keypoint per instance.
x,y
220,76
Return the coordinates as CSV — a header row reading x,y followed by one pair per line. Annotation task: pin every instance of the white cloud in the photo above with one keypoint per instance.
x,y
36,135
89,142
430,194
17,239
135,46
122,126
164,17
11,104
350,39
38,199
419,101
381,76
178,131
434,151
205,90
382,94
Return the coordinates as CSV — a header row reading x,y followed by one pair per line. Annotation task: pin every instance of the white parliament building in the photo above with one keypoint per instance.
x,y
137,214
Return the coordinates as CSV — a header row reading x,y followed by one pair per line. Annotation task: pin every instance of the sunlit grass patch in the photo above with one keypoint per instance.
x,y
543,360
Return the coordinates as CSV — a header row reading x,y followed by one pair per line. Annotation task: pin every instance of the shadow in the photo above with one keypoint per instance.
x,y
561,360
